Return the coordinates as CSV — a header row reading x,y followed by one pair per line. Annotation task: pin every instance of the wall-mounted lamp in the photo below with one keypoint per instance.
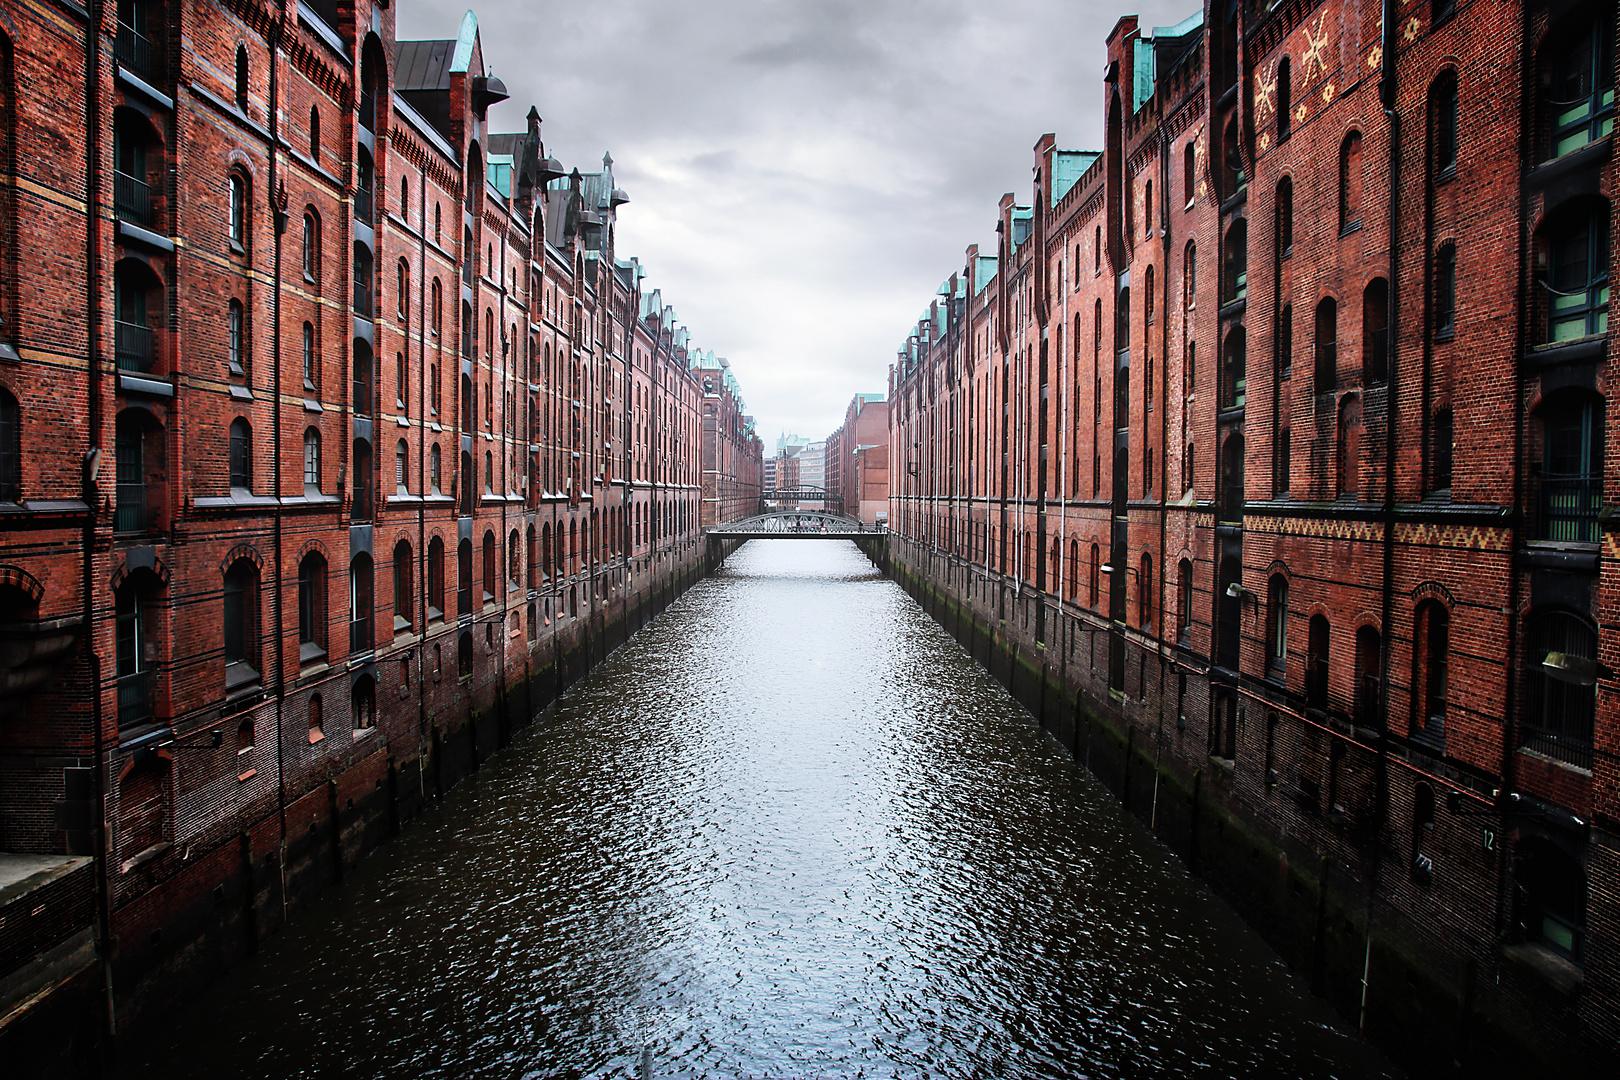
x,y
1237,592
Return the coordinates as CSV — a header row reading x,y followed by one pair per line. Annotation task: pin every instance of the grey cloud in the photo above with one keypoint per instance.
x,y
802,174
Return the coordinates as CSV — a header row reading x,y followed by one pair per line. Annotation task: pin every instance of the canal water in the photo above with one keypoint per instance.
x,y
789,830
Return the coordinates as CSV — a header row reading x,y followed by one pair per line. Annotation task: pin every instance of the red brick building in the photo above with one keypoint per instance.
x,y
857,467
335,438
1264,455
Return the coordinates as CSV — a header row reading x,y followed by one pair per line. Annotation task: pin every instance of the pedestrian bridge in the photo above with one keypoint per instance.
x,y
795,525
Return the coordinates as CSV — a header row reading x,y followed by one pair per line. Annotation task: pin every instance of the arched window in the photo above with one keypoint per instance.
x,y
1316,663
1276,625
361,603
1350,182
311,607
1562,680
435,582
1285,217
489,472
363,378
532,559
438,222
1232,151
467,482
403,588
362,281
317,720
469,256
514,560
364,482
235,338
1234,370
312,247
1235,276
548,555
1285,98
1232,464
1184,602
1375,332
130,639
241,455
312,461
1326,345
236,209
1349,448
1282,465
315,134
1149,296
435,464
491,560
1189,274
438,309
1430,658
402,456
1189,171
1572,433
241,78
10,449
1577,59
311,365
1443,118
241,625
1144,592
1576,242
1096,569
402,289
1369,677
464,654
363,703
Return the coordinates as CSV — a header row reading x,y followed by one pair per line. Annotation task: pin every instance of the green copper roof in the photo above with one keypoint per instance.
x,y
1068,166
1142,69
983,273
462,59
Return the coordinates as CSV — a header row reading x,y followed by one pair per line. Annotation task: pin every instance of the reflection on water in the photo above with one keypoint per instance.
x,y
789,830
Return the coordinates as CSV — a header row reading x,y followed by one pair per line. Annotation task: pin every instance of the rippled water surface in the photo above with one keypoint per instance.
x,y
789,830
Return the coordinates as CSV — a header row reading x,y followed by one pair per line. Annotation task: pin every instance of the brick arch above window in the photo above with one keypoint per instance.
x,y
1433,590
18,578
242,551
124,572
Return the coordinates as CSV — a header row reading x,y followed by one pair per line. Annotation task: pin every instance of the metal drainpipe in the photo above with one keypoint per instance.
x,y
92,458
1387,88
422,478
279,218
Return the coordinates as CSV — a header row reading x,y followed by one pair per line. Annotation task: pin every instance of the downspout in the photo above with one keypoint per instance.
x,y
422,477
90,467
1163,215
1387,88
278,213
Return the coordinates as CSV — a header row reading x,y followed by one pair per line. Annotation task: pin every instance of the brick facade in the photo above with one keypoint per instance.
x,y
335,438
1267,446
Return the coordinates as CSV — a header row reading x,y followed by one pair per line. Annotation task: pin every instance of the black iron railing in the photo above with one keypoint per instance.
x,y
134,698
137,510
132,345
1556,744
137,52
1569,508
133,199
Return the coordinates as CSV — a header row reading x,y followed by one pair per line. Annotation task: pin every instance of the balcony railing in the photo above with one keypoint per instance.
x,y
133,199
134,698
137,53
132,345
137,508
1569,508
1556,744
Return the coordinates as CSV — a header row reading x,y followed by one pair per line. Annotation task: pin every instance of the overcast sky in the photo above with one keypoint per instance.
x,y
802,175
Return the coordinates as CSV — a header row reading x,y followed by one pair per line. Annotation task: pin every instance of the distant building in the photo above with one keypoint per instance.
x,y
855,458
